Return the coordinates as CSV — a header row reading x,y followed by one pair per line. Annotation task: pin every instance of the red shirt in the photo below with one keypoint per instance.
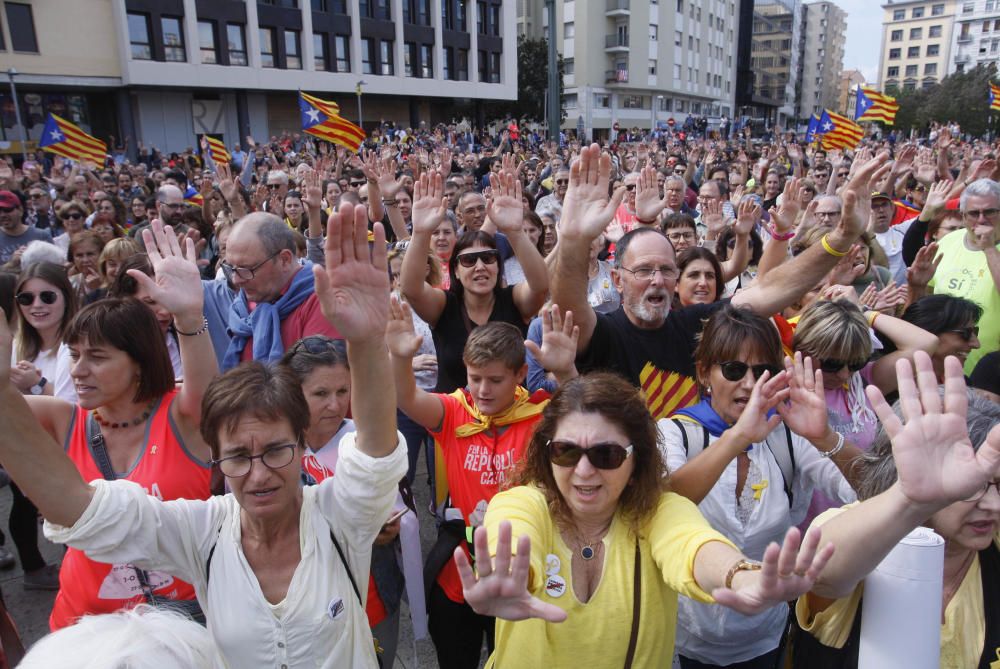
x,y
307,319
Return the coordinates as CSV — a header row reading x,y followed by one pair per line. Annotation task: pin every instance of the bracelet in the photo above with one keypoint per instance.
x,y
829,249
741,565
772,230
202,330
871,316
390,203
836,449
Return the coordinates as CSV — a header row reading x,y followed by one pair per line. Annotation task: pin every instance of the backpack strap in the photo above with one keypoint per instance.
x,y
688,450
340,552
785,458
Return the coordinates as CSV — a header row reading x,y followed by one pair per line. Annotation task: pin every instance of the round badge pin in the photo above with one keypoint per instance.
x,y
555,586
552,564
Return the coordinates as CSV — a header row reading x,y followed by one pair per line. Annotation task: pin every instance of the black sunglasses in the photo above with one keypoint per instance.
x,y
602,456
356,184
834,366
470,259
966,333
274,186
26,299
735,370
75,216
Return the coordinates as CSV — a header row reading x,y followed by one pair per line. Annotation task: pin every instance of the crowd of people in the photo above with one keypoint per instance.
x,y
675,396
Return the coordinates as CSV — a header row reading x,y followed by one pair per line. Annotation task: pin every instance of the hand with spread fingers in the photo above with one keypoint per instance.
x,y
557,354
586,208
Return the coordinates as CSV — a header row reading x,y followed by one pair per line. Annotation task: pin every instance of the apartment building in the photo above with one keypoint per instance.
x,y
776,58
824,35
976,35
847,92
170,70
916,43
638,64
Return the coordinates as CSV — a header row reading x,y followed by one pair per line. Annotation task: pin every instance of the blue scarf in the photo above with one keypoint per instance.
x,y
264,322
703,414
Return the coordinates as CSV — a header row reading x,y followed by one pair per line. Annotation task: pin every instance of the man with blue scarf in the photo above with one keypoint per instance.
x,y
276,305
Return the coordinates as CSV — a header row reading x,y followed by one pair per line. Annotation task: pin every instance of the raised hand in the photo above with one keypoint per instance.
x,y
353,288
227,185
557,353
786,574
385,171
930,443
429,205
847,269
711,216
857,195
753,425
889,297
648,204
805,411
747,216
984,169
499,586
312,190
937,197
177,282
586,207
400,336
924,265
505,208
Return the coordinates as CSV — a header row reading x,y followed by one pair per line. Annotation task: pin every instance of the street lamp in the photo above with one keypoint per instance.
x,y
357,91
11,73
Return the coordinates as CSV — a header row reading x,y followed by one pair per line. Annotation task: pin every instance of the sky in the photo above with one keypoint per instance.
x,y
864,36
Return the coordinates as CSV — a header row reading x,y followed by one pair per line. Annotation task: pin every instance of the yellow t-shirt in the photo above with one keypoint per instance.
x,y
597,633
962,634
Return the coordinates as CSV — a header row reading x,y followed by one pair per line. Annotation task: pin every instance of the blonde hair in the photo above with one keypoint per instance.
x,y
833,330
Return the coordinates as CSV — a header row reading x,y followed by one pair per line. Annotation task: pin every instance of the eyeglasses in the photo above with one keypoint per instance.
x,y
562,182
6,210
274,186
356,184
833,366
976,214
843,175
238,466
736,370
919,189
26,299
680,236
646,273
245,273
827,214
176,206
966,333
975,497
470,259
317,344
601,456
75,216
36,196
630,187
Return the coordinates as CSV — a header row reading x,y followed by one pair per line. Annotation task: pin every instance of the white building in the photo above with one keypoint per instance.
x,y
976,35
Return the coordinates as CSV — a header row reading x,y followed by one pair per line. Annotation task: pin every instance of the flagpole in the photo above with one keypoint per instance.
x,y
17,115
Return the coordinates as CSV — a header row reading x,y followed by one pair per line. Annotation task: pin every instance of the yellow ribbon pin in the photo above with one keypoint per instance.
x,y
758,490
996,663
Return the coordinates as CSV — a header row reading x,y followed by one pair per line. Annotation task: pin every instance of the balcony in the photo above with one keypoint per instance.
x,y
613,43
617,8
962,58
965,39
616,76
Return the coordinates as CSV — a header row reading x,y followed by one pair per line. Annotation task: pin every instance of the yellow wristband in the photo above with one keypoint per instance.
x,y
872,315
829,249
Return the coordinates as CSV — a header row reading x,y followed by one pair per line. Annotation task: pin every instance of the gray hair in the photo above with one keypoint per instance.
x,y
670,179
39,251
980,188
877,466
833,198
278,175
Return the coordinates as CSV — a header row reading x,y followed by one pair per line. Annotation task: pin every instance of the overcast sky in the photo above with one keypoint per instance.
x,y
864,36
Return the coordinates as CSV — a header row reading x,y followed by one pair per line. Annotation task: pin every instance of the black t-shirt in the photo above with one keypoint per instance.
x,y
659,361
452,331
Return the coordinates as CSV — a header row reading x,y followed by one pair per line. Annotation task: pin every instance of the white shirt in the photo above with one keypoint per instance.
x,y
54,365
712,633
320,623
891,242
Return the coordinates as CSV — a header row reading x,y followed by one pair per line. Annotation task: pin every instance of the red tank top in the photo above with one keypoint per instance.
x,y
167,471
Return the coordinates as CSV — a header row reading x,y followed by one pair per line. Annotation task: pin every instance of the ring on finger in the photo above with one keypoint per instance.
x,y
800,574
785,574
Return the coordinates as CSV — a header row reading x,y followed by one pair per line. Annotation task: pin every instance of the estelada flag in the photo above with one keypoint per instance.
x,y
322,119
217,149
839,132
69,141
994,97
875,106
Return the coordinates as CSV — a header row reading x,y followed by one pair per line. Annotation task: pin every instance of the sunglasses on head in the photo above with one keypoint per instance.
x,y
601,456
470,259
736,370
26,299
834,366
967,333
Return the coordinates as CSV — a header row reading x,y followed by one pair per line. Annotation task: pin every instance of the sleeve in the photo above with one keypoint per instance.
x,y
913,240
822,472
597,354
676,533
248,164
671,444
122,524
452,415
63,386
526,511
315,253
537,377
504,247
363,491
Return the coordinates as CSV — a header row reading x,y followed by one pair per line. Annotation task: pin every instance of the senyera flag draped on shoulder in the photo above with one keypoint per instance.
x,y
875,106
994,98
217,149
838,132
69,141
322,119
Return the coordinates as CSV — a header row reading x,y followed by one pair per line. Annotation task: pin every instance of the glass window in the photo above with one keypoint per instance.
x,y
3,45
343,47
654,33
892,71
934,31
426,61
22,27
409,58
917,13
913,52
937,10
447,67
173,39
206,42
899,15
495,21
916,33
896,36
267,47
367,55
930,68
481,17
138,36
319,6
933,49
602,100
569,30
387,61
293,53
321,61
968,7
911,70
236,44
462,65
652,67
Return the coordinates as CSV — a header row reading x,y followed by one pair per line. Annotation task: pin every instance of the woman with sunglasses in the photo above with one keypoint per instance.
x,y
131,422
280,570
476,294
603,550
954,321
72,215
750,475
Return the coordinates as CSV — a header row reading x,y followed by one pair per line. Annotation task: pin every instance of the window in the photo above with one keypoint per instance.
x,y
916,33
677,71
206,42
495,20
654,33
678,38
917,13
173,39
652,66
930,69
681,106
386,60
138,37
569,30
911,70
602,100
236,44
569,66
367,55
633,102
996,25
494,67
3,45
664,103
462,65
569,101
934,31
913,52
893,54
426,61
937,10
293,51
899,15
409,58
896,36
986,26
22,27
892,72
481,18
968,7
417,12
933,49
448,66
267,47
319,6
321,60
342,46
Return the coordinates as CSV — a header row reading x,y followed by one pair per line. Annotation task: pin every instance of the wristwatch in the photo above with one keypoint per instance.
x,y
39,387
741,565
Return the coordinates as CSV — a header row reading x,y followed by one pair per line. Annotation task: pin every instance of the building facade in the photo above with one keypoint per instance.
x,y
916,43
776,57
640,64
174,69
847,92
824,34
976,37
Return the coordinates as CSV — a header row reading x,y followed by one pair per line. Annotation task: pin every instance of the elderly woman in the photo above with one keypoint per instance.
x,y
288,565
750,476
941,472
603,549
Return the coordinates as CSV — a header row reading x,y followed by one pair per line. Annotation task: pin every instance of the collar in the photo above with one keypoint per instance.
x,y
525,406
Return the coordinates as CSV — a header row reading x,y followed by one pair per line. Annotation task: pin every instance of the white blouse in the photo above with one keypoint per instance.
x,y
320,623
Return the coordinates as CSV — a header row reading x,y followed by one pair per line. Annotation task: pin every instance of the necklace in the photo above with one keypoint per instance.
x,y
103,422
589,549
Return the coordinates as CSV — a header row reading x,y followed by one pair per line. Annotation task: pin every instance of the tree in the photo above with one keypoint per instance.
x,y
962,97
532,83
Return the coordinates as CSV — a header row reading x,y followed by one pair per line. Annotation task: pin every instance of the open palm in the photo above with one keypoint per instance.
x,y
177,283
586,208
